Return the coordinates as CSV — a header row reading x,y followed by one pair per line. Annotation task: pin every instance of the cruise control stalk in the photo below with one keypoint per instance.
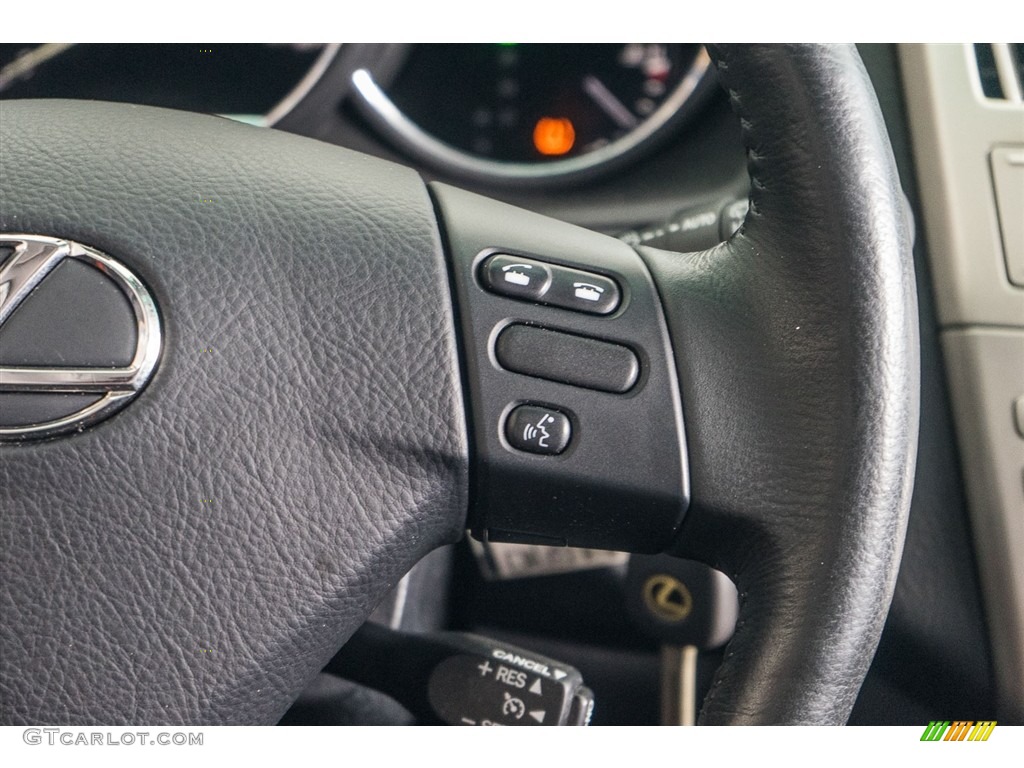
x,y
456,678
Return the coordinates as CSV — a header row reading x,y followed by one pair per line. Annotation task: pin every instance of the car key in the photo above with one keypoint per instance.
x,y
456,678
689,607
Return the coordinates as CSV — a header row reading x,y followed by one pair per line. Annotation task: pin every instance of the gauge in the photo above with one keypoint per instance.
x,y
532,111
251,82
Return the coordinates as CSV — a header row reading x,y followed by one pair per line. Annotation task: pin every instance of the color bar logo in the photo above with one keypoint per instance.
x,y
958,730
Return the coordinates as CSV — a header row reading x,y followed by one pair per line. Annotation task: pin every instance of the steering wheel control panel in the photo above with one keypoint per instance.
x,y
453,678
576,421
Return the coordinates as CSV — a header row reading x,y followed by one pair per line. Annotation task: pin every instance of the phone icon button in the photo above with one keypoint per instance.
x,y
516,277
583,291
588,291
521,274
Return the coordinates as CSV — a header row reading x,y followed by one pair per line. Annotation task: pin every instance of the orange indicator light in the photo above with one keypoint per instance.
x,y
554,135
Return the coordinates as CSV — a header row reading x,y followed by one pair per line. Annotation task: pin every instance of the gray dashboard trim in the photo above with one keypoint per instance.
x,y
955,129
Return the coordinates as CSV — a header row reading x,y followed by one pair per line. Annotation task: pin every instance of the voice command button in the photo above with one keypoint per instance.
x,y
538,429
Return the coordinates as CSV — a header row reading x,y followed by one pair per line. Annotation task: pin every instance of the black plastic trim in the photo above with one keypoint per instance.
x,y
622,482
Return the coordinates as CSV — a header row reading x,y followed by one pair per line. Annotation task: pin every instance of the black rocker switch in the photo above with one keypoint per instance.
x,y
456,678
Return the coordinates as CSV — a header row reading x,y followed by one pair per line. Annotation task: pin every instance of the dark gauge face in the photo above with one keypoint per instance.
x,y
538,103
247,81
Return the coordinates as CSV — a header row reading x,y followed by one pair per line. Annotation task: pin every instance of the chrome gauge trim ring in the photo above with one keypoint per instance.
x,y
33,259
304,86
23,66
385,117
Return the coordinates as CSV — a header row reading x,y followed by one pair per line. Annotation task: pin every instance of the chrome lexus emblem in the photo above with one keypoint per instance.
x,y
33,259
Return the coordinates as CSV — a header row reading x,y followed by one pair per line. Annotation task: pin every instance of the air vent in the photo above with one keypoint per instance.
x,y
1001,70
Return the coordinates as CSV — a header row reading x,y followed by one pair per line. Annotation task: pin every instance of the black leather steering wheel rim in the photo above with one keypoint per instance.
x,y
331,426
797,349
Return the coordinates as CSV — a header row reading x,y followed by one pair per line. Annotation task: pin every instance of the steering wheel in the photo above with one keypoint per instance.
x,y
313,426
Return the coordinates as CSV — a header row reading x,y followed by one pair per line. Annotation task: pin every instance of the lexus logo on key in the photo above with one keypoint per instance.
x,y
50,395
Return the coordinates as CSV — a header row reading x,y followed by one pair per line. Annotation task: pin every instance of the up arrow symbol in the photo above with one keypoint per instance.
x,y
538,715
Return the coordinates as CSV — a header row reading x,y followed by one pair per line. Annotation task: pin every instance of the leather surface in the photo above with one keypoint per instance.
x,y
200,556
920,669
797,352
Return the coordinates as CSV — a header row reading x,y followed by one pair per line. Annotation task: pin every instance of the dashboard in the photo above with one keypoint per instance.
x,y
524,122
524,112
634,140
